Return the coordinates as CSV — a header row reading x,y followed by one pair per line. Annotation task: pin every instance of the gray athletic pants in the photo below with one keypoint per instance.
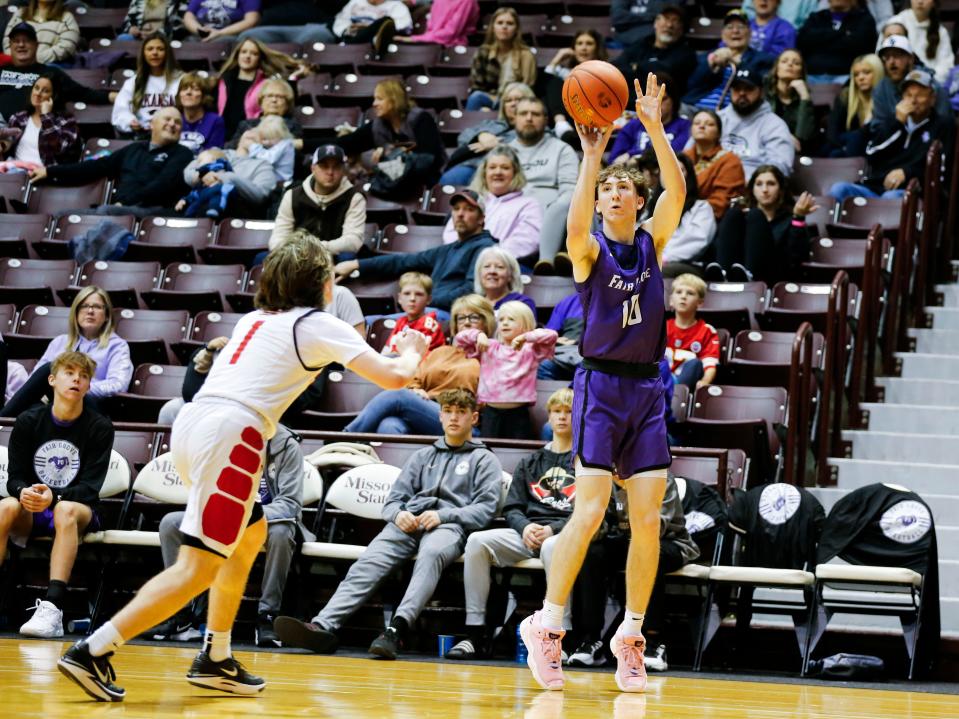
x,y
280,543
434,550
502,548
552,236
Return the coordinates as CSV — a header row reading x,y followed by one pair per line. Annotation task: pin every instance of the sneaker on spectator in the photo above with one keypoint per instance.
x,y
630,669
589,654
174,626
306,635
265,634
714,272
563,264
387,645
655,661
384,36
46,622
544,268
739,273
544,652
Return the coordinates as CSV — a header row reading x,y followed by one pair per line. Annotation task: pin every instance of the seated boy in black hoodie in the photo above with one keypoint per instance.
x,y
444,492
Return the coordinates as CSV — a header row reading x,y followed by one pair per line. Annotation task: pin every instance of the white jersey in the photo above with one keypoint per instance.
x,y
273,356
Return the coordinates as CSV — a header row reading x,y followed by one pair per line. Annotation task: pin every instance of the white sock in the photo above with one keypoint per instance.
x,y
552,616
105,639
217,645
632,623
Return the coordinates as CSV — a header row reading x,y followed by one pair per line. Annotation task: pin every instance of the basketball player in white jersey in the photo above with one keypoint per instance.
x,y
218,445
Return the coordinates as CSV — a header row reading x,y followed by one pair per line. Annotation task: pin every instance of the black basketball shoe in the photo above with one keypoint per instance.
x,y
94,675
226,676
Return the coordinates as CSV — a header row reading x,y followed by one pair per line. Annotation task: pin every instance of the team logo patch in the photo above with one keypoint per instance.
x,y
556,488
56,463
778,503
906,522
462,468
696,347
699,522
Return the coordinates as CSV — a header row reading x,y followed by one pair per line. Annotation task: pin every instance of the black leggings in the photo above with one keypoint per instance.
x,y
746,237
511,423
34,390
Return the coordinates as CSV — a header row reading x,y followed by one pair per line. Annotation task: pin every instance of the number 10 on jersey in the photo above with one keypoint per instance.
x,y
632,314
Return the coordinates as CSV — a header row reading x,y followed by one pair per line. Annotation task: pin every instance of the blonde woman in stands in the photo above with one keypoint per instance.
x,y
512,217
852,110
503,57
57,30
91,330
414,410
153,86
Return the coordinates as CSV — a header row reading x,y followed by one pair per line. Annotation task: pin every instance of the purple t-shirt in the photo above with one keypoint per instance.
x,y
220,13
623,304
207,132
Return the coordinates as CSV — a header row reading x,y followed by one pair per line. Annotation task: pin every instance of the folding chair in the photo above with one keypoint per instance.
x,y
344,397
35,327
887,535
73,225
206,326
170,239
775,530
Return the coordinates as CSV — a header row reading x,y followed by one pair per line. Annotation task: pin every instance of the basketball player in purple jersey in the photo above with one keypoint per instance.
x,y
618,407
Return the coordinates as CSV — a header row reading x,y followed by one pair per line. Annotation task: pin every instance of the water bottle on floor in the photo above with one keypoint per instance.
x,y
521,652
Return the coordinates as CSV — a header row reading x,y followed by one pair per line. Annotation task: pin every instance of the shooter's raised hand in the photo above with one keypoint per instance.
x,y
649,105
593,139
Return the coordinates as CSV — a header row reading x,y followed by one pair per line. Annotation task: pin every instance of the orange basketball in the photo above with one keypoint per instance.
x,y
595,93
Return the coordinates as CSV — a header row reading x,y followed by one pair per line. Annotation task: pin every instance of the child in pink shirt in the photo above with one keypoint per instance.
x,y
508,364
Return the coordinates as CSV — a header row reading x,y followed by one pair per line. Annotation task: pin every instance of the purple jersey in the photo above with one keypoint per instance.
x,y
623,308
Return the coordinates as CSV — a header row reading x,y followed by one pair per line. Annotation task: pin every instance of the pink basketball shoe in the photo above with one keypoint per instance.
x,y
544,652
630,669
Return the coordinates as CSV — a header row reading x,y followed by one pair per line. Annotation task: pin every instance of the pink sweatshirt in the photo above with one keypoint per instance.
x,y
508,375
450,22
514,220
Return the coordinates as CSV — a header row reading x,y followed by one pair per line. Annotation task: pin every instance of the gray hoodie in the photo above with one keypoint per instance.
x,y
462,484
283,477
550,167
253,177
761,138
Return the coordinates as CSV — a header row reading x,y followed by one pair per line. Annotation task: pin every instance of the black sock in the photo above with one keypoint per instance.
x,y
476,634
56,592
400,625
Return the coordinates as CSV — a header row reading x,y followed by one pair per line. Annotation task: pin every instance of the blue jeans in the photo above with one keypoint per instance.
x,y
458,175
548,369
299,34
842,190
398,411
690,373
478,100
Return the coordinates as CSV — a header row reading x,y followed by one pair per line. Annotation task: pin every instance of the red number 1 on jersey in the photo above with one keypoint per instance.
x,y
246,341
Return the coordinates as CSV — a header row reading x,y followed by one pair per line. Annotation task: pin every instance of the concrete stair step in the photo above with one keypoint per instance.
x,y
944,318
919,419
950,294
945,507
948,541
921,478
899,390
928,366
935,341
893,447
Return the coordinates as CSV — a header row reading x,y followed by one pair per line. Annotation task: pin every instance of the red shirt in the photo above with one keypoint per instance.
x,y
699,341
427,324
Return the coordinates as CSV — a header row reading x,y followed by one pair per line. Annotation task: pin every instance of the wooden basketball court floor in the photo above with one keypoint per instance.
x,y
305,685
